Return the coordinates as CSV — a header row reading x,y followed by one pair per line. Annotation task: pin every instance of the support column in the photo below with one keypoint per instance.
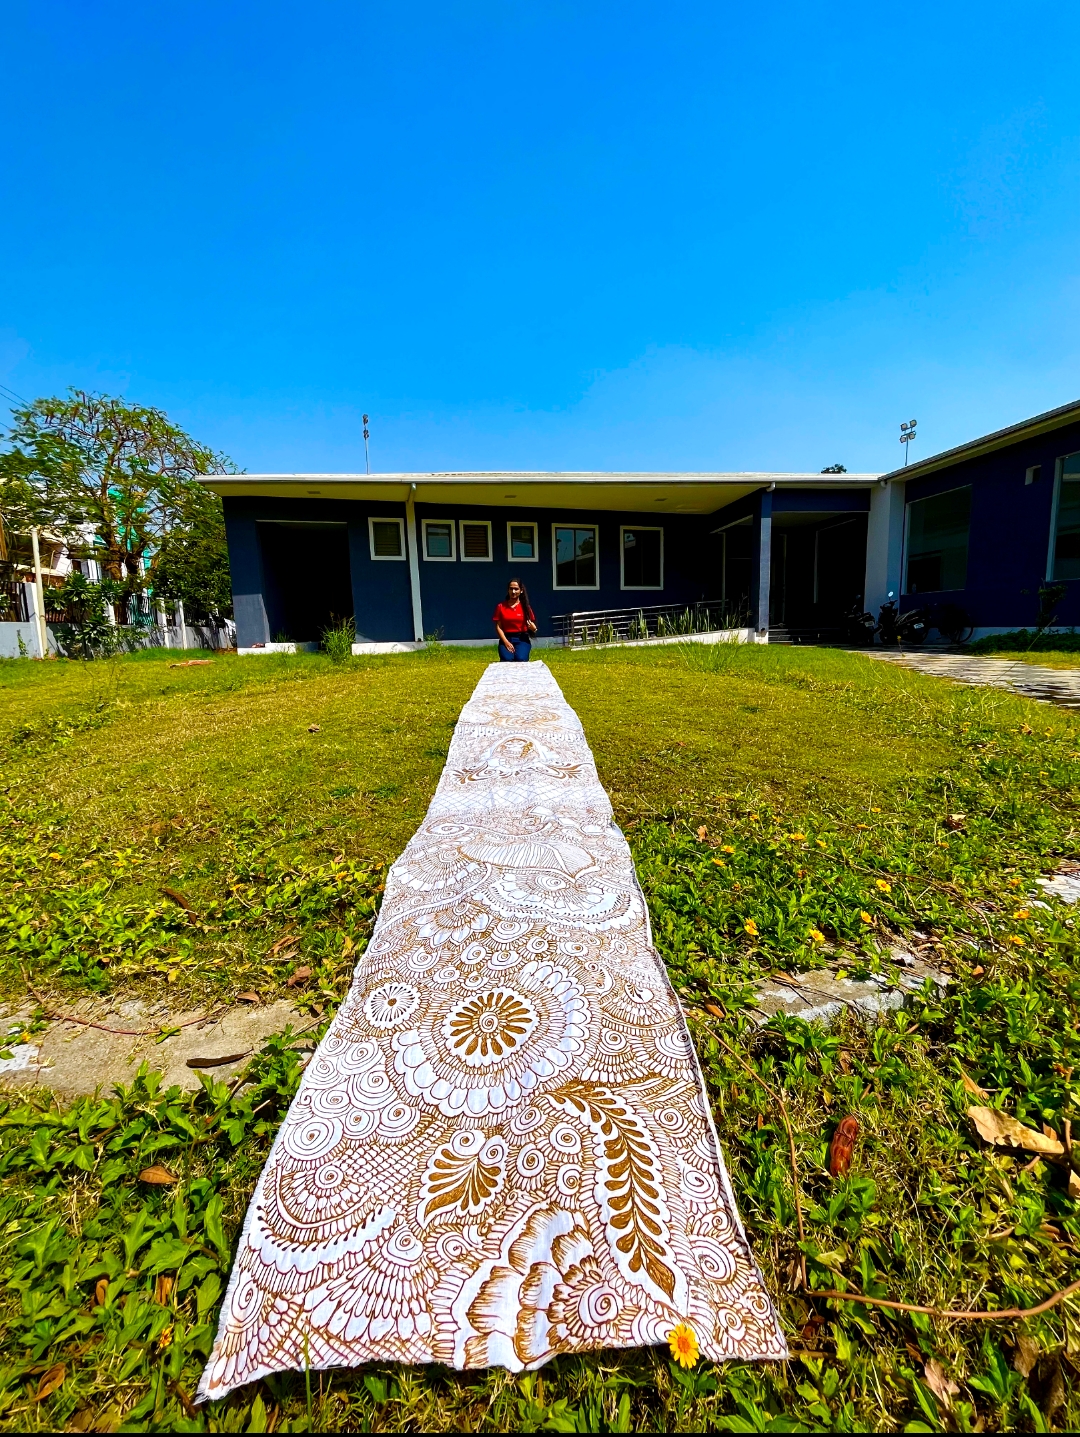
x,y
182,620
39,597
414,567
761,567
884,544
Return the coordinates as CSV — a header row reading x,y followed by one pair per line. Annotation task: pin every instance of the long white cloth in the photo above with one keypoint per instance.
x,y
502,1149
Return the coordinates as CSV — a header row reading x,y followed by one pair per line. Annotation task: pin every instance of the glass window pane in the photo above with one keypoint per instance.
x,y
386,538
1067,539
474,541
575,558
938,542
439,541
641,558
522,541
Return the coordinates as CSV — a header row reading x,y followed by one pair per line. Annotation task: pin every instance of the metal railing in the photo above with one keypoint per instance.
x,y
651,621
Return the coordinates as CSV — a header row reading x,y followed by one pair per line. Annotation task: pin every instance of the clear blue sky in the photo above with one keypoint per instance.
x,y
587,235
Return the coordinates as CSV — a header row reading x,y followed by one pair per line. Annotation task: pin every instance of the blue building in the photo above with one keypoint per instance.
x,y
982,528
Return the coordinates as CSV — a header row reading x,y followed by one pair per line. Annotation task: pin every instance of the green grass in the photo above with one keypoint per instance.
x,y
769,795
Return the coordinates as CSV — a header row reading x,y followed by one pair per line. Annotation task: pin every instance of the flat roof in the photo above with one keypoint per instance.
x,y
999,439
680,492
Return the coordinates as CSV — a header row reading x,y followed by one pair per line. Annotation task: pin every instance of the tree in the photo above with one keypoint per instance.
x,y
91,464
834,469
120,481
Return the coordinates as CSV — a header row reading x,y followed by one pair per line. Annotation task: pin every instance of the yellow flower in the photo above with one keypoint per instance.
x,y
165,1340
865,917
719,863
1022,913
750,927
683,1343
726,848
797,837
885,887
820,842
1013,938
816,936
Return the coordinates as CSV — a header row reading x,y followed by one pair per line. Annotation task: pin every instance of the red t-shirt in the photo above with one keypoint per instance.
x,y
511,618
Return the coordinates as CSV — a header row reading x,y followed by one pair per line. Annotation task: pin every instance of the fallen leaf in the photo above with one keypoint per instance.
x,y
1027,1354
283,942
313,728
82,1421
247,997
50,1381
843,1146
300,976
101,1291
157,1175
715,1010
978,971
972,1087
703,832
1005,1132
178,898
955,821
190,663
1074,1184
943,1388
163,1287
217,1062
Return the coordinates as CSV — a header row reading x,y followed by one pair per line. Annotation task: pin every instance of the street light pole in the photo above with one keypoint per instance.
x,y
907,434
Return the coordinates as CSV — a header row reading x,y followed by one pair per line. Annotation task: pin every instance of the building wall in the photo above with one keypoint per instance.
x,y
1009,536
458,597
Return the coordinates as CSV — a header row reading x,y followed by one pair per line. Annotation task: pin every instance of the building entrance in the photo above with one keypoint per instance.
x,y
307,581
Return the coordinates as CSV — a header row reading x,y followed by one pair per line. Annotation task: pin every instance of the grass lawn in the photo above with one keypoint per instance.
x,y
1048,658
788,809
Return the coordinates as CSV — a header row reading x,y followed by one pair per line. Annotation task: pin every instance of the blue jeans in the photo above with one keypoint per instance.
x,y
518,653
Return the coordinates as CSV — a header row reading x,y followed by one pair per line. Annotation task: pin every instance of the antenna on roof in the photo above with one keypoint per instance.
x,y
907,434
367,456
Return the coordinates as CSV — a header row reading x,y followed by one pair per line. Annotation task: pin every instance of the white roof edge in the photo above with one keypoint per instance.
x,y
555,476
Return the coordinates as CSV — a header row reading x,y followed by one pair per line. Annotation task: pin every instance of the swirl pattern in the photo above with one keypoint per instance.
x,y
502,1150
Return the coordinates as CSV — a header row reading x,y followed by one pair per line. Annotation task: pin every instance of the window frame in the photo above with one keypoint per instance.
x,y
639,588
489,557
905,557
450,558
573,588
512,558
1055,511
401,558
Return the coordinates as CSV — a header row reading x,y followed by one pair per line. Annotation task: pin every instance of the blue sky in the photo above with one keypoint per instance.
x,y
588,235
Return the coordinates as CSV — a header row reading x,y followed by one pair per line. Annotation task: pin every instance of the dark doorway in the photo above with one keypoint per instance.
x,y
818,568
307,582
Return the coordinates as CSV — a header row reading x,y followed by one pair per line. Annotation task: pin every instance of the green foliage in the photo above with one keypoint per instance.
x,y
191,563
1028,641
338,639
772,753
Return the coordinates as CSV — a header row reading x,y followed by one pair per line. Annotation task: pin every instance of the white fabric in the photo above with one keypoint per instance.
x,y
502,1149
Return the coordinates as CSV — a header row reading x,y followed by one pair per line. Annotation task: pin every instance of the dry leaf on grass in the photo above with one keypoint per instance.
x,y
1005,1132
50,1381
1027,1354
843,1146
313,728
1074,1184
247,997
178,897
101,1291
163,1287
217,1062
300,976
157,1175
715,1010
943,1388
972,1087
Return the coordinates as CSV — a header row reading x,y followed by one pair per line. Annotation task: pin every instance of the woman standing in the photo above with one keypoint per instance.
x,y
514,622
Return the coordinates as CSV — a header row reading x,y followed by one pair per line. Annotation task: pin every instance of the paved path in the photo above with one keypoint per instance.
x,y
1055,686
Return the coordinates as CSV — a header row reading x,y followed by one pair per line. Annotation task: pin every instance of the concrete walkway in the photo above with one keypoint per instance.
x,y
1054,686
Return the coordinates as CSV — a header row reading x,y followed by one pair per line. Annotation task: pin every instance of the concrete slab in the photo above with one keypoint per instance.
x,y
71,1059
822,996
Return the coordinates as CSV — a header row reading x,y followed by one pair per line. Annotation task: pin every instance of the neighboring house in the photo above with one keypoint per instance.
x,y
981,527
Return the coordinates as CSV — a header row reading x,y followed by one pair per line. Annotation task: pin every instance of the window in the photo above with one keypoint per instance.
x,y
575,557
521,545
937,542
387,538
475,541
1065,550
642,558
439,539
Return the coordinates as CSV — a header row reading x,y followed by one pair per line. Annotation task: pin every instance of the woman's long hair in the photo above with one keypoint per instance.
x,y
526,607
